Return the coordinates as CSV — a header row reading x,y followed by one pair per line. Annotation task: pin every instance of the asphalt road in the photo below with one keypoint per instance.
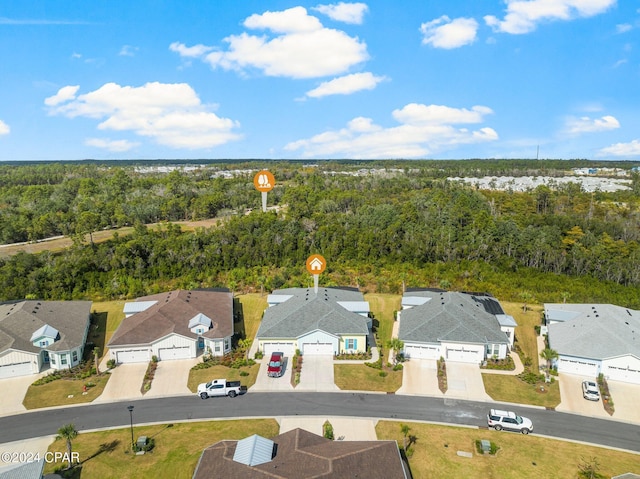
x,y
410,408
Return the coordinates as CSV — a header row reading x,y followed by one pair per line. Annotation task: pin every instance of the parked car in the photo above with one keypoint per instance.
x,y
590,391
219,387
499,419
276,365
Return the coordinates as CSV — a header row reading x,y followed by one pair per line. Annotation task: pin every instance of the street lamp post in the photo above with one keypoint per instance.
x,y
130,408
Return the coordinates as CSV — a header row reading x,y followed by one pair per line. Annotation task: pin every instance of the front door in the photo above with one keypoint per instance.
x,y
45,357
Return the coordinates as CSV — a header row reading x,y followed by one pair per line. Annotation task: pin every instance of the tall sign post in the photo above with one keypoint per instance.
x,y
316,265
264,181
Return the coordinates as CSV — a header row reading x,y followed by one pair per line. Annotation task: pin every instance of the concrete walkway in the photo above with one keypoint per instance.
x,y
344,428
516,360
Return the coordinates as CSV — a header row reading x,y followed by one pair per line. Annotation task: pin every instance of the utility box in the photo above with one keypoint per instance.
x,y
142,442
485,445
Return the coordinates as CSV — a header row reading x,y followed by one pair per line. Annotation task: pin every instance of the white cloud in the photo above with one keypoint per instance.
x,y
128,51
622,149
117,146
585,124
623,27
4,128
300,48
523,16
191,52
423,130
446,33
344,12
65,93
346,85
170,114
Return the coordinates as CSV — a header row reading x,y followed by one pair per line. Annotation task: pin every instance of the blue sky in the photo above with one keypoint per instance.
x,y
234,79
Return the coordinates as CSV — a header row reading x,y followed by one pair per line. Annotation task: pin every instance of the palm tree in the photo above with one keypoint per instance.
x,y
397,345
549,355
96,355
404,429
68,432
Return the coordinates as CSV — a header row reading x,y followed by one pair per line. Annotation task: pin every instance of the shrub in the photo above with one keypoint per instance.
x,y
111,363
327,430
382,374
397,367
259,355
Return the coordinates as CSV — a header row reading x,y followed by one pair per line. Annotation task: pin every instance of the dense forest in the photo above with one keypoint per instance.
x,y
381,225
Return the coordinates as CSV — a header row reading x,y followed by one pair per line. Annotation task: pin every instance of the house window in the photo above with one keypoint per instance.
x,y
217,347
63,359
351,344
199,331
53,359
75,356
227,343
43,344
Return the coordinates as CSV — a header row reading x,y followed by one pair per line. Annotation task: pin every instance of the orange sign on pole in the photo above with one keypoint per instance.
x,y
264,181
316,264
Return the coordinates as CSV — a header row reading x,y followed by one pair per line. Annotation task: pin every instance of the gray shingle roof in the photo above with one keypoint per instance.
x,y
597,331
172,313
301,455
20,319
307,311
450,316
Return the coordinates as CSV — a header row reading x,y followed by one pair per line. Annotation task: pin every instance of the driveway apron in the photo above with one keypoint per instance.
x,y
625,401
571,399
125,383
13,393
419,377
265,383
464,381
317,374
170,378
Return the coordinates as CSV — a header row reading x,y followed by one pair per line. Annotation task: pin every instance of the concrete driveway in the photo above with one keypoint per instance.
x,y
317,374
344,428
171,378
265,383
571,399
13,393
464,381
420,377
625,401
125,383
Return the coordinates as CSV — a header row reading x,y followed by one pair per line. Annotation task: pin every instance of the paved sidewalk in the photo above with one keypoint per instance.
x,y
516,360
344,428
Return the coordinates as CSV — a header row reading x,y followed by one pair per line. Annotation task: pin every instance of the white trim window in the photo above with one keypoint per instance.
x,y
351,343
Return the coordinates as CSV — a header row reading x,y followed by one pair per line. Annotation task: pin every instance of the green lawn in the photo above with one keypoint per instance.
x,y
511,389
519,456
56,393
525,334
383,306
358,377
253,305
199,376
109,315
106,454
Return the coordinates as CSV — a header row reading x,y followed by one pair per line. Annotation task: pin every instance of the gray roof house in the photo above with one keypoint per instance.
x,y
457,326
174,325
299,454
331,321
36,334
591,339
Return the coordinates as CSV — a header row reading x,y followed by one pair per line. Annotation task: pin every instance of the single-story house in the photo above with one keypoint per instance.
x,y
331,321
299,454
175,325
39,334
456,326
593,339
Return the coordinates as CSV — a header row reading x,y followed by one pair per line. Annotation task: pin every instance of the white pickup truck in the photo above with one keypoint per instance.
x,y
219,387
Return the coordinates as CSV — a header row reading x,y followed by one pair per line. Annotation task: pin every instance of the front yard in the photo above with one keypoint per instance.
x,y
63,392
358,377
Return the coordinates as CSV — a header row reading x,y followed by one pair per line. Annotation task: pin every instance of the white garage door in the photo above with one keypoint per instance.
x,y
284,347
577,366
463,355
15,370
626,375
422,352
133,356
317,348
182,352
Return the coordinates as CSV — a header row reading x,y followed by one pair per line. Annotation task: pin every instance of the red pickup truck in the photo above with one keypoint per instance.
x,y
276,366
